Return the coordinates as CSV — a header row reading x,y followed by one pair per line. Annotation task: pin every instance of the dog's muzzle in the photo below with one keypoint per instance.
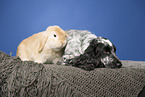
x,y
111,61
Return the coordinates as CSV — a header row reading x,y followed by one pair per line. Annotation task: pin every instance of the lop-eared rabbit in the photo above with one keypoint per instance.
x,y
43,47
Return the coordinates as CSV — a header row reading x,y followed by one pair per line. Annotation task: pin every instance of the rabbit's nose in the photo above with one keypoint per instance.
x,y
62,42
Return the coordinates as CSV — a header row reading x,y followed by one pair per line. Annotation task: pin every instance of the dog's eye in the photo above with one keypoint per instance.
x,y
107,50
54,35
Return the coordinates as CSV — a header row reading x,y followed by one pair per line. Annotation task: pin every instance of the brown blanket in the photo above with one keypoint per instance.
x,y
28,79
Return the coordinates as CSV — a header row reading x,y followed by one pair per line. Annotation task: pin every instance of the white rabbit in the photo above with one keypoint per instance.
x,y
43,47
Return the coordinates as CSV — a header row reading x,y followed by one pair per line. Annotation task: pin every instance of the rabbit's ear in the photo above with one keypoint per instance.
x,y
42,43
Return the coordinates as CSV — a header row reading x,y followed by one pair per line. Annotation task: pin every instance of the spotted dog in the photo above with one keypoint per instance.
x,y
99,52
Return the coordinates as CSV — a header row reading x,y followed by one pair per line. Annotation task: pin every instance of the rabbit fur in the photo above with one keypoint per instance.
x,y
43,47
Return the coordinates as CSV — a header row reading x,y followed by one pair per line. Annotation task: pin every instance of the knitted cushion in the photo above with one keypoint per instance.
x,y
28,79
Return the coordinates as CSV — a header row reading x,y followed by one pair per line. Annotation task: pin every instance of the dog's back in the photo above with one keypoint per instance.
x,y
78,41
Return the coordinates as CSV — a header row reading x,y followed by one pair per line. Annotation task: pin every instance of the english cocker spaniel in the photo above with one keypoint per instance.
x,y
100,52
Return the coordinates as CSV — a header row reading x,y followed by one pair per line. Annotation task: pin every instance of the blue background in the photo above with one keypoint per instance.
x,y
121,21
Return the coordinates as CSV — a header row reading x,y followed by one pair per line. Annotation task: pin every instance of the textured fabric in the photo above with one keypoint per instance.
x,y
27,79
78,41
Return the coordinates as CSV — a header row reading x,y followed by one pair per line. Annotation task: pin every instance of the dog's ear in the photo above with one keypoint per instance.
x,y
91,46
98,49
42,42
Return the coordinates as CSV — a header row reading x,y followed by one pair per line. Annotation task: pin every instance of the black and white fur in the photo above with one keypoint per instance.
x,y
99,53
77,42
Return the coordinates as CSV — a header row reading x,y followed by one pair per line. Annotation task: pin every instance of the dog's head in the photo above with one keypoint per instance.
x,y
105,52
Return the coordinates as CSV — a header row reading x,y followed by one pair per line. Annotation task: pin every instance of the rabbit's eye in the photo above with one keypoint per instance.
x,y
54,35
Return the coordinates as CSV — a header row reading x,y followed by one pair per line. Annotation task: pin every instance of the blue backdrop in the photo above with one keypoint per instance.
x,y
121,21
